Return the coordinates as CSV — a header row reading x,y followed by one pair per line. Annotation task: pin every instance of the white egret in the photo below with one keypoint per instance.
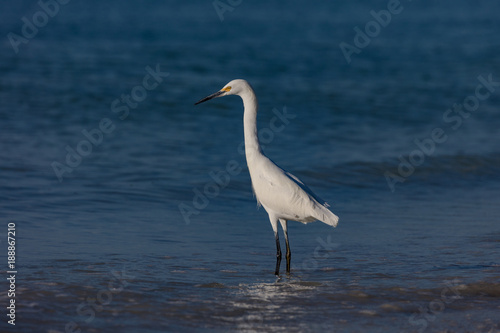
x,y
283,195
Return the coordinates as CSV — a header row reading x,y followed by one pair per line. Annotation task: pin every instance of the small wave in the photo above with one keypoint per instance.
x,y
435,171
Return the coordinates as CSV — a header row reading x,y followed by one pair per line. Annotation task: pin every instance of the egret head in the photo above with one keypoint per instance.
x,y
235,87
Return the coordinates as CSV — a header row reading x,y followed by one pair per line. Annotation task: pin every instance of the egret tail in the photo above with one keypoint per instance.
x,y
326,216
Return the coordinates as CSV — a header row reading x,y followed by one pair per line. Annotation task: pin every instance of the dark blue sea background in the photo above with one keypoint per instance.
x,y
133,209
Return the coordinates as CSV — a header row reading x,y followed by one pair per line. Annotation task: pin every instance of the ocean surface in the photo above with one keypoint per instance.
x,y
133,210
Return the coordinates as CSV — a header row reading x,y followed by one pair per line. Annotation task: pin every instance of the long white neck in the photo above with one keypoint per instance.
x,y
252,146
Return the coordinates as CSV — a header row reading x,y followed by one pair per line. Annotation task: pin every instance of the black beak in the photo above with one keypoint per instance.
x,y
217,94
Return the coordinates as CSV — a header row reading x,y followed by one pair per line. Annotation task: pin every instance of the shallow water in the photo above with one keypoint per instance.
x,y
107,248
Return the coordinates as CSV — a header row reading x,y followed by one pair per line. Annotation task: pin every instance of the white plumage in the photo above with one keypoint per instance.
x,y
283,196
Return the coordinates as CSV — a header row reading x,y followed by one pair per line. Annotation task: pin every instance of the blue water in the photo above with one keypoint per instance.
x,y
102,243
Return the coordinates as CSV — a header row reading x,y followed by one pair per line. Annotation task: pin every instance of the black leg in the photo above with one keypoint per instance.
x,y
278,255
288,253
